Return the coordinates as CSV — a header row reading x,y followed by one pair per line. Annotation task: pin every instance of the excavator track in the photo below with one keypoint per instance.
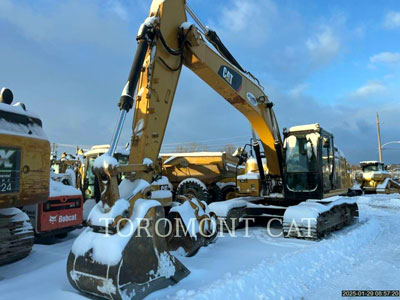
x,y
16,235
313,219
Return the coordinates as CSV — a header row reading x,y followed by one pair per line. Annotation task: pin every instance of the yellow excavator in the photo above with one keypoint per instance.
x,y
112,258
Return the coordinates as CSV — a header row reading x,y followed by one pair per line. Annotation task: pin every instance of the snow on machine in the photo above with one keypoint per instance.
x,y
112,258
24,175
376,179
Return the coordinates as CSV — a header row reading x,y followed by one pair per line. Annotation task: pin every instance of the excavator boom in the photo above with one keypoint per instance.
x,y
112,258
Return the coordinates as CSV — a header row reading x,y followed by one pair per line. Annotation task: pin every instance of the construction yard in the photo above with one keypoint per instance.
x,y
254,267
183,149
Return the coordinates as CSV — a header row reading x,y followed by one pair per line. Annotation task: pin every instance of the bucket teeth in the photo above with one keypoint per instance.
x,y
145,266
181,237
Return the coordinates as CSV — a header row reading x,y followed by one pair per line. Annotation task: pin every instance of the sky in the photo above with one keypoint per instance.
x,y
332,62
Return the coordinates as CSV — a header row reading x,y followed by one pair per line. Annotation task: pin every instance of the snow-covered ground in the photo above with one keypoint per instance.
x,y
363,256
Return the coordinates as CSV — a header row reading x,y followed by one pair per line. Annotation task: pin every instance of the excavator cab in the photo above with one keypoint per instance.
x,y
312,164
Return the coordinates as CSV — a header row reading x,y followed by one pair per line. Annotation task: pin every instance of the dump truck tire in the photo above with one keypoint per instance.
x,y
228,192
215,193
193,188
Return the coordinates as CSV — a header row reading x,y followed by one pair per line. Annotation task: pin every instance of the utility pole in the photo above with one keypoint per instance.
x,y
379,138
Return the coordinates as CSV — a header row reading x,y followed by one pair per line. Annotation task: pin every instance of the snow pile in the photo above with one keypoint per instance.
x,y
100,213
222,208
58,189
107,248
105,160
188,215
22,130
30,130
17,214
71,174
87,207
166,266
186,25
148,162
108,287
129,189
293,275
362,256
149,21
381,201
162,181
161,194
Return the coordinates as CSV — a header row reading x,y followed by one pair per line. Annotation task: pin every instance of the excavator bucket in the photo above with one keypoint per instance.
x,y
193,226
144,265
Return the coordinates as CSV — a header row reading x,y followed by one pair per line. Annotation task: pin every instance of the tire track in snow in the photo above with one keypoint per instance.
x,y
296,274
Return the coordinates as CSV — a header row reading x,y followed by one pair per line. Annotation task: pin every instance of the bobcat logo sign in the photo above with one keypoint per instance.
x,y
52,219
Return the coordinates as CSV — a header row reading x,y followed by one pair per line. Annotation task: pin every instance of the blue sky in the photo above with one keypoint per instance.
x,y
332,62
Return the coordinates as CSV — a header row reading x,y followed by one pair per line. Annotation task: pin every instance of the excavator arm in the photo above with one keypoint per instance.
x,y
130,265
175,43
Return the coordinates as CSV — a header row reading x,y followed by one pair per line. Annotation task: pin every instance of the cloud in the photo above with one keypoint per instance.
x,y
370,89
298,89
251,20
386,58
352,125
323,46
392,20
277,51
75,88
118,9
70,21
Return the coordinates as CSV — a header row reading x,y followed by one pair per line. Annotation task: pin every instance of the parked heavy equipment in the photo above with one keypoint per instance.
x,y
24,175
111,259
314,170
89,182
210,176
206,175
375,178
67,169
61,213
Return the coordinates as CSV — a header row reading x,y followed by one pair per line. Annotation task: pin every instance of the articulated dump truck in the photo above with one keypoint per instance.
x,y
210,176
113,257
24,175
